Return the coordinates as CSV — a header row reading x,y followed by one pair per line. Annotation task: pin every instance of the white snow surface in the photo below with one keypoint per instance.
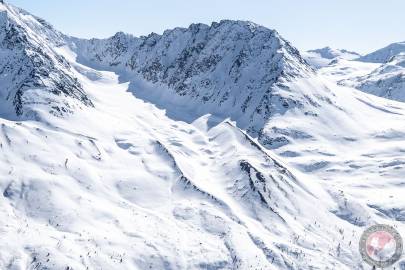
x,y
323,57
385,54
33,75
384,80
153,176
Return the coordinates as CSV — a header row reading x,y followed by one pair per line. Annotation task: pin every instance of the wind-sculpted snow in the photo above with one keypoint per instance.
x,y
32,75
211,147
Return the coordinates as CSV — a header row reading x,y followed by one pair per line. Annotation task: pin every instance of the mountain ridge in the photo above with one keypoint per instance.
x,y
235,68
43,75
388,80
156,174
323,57
385,54
330,53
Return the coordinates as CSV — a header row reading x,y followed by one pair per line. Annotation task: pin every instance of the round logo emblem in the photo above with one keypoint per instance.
x,y
381,246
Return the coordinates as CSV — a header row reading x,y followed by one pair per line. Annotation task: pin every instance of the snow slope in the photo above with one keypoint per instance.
x,y
34,77
387,81
212,68
159,174
323,57
161,193
381,73
384,80
385,54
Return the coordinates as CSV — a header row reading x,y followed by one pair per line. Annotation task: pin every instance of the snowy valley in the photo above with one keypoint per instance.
x,y
209,147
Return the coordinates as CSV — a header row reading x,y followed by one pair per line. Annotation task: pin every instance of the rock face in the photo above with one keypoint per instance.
x,y
231,67
33,76
129,185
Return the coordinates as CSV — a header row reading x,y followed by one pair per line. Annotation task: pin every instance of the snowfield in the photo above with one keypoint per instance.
x,y
210,147
320,58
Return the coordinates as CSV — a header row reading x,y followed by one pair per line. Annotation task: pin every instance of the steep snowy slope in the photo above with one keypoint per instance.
x,y
252,79
32,75
146,191
323,57
385,54
171,167
232,68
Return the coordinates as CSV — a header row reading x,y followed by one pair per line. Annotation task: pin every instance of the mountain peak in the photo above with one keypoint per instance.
x,y
230,23
385,54
212,147
228,65
324,56
330,53
236,25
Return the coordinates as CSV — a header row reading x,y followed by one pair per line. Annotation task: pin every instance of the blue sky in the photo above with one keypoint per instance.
x,y
360,25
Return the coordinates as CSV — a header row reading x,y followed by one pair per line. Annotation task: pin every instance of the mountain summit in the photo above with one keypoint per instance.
x,y
208,147
385,54
232,67
323,57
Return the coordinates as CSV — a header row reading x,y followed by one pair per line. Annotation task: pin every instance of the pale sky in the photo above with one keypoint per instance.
x,y
359,25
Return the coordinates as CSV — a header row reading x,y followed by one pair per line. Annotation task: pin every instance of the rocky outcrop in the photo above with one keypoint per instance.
x,y
33,76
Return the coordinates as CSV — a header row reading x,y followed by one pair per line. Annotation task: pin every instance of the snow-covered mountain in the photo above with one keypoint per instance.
x,y
34,77
214,68
381,73
208,147
386,81
384,55
330,53
323,57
